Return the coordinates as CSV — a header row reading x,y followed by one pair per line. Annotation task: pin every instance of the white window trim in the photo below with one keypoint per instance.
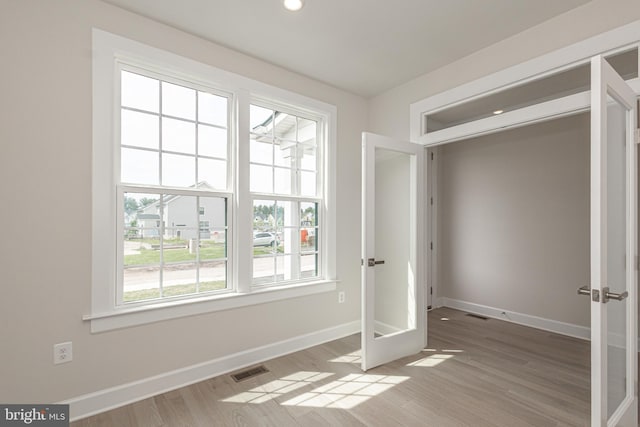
x,y
105,315
320,196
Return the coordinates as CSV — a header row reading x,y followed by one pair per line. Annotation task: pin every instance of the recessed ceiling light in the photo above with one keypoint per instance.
x,y
498,112
293,5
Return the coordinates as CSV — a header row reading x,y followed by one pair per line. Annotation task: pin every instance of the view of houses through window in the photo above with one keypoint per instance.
x,y
174,151
284,185
176,192
174,245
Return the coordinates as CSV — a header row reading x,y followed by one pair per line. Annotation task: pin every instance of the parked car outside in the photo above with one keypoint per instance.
x,y
263,238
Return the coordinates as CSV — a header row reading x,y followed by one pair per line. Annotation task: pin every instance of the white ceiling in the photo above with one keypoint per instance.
x,y
363,46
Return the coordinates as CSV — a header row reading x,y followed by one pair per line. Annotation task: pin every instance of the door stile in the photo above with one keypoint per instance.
x,y
598,242
606,84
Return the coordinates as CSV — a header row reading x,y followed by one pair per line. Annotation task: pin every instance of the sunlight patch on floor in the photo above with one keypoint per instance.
x,y
346,392
353,357
279,387
431,361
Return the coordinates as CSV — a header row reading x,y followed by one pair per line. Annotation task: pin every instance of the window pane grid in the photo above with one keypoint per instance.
x,y
181,135
308,272
285,198
291,156
175,136
285,243
168,116
176,153
156,191
174,246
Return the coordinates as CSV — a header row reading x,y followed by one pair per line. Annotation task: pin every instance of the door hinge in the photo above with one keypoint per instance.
x,y
431,156
431,246
431,200
431,290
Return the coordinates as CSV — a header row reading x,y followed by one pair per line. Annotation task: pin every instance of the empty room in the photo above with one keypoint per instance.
x,y
355,213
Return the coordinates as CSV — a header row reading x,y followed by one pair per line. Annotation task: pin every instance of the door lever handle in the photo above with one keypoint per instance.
x,y
584,290
613,295
371,262
595,295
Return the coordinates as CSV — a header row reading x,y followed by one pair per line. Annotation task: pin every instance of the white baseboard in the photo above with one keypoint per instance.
x,y
563,328
114,397
569,329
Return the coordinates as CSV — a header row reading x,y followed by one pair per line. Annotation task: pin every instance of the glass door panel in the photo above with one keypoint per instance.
x,y
395,290
614,400
616,253
393,310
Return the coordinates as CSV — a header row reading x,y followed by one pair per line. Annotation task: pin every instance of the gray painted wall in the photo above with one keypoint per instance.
x,y
514,220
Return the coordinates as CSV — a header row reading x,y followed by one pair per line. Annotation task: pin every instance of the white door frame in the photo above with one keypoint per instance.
x,y
431,231
616,40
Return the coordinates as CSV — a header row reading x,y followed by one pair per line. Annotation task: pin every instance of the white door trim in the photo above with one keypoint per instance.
x,y
578,53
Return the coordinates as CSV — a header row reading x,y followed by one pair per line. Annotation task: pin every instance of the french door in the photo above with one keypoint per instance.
x,y
614,317
393,309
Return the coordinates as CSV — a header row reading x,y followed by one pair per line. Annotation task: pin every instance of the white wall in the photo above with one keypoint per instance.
x,y
514,220
45,187
512,289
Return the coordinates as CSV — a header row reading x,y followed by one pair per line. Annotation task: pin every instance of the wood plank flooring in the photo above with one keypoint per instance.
x,y
474,372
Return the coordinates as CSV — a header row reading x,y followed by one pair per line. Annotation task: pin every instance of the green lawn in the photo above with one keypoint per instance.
x,y
172,291
152,256
208,251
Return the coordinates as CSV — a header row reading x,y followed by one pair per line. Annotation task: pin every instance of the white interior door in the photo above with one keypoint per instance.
x,y
614,307
393,310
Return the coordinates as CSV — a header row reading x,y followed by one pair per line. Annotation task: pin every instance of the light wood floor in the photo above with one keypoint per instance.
x,y
474,373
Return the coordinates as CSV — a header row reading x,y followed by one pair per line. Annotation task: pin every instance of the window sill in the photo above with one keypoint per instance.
x,y
133,316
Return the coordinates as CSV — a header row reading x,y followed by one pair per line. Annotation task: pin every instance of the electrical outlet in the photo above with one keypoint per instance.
x,y
340,297
62,352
